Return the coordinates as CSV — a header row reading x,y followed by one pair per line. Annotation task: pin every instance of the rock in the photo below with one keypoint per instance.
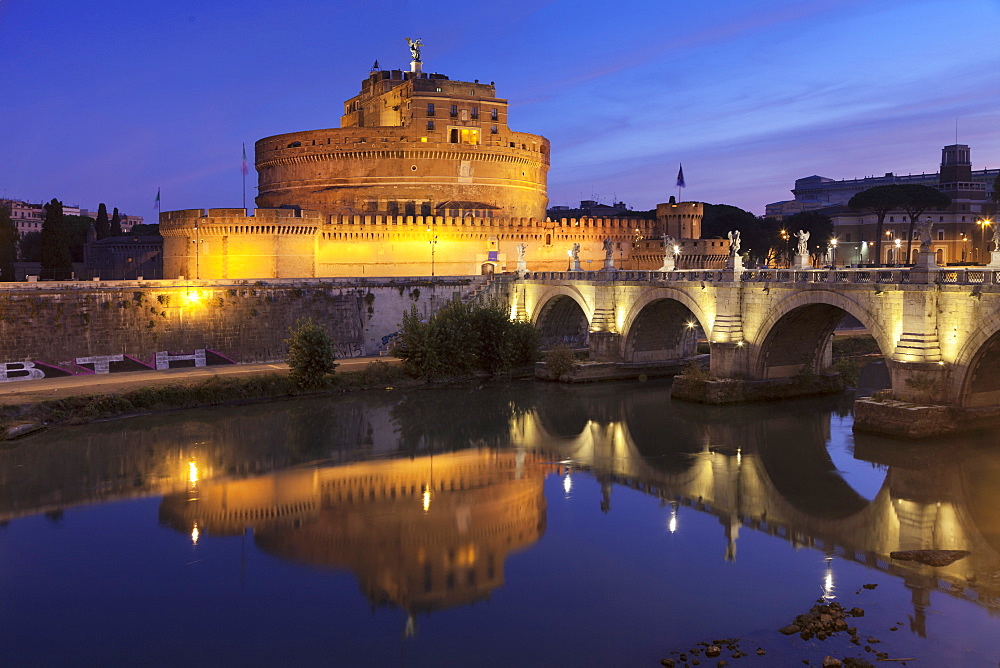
x,y
893,628
936,558
831,662
760,651
856,612
840,625
851,662
713,651
669,663
825,618
870,586
722,662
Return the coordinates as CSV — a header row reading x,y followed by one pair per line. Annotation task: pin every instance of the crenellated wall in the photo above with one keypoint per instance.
x,y
290,243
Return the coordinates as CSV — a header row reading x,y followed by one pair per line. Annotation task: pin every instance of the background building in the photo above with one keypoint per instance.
x,y
962,233
818,192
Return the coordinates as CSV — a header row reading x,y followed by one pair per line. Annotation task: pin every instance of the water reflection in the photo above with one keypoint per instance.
x,y
421,534
424,496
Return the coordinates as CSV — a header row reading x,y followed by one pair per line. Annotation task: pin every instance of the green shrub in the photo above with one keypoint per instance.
x,y
559,360
465,338
311,357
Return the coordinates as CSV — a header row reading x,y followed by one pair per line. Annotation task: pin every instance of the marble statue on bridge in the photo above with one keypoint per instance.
x,y
924,234
803,246
574,258
522,264
734,243
609,255
670,251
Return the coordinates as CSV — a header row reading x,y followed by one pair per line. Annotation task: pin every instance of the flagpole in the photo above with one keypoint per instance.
x,y
243,169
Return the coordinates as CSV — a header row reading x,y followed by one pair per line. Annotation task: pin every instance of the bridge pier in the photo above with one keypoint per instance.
x,y
605,347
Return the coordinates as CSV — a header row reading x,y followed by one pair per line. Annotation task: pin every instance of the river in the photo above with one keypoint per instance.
x,y
508,525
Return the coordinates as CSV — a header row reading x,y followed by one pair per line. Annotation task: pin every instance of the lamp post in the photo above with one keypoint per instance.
x,y
433,243
784,237
983,224
895,256
833,253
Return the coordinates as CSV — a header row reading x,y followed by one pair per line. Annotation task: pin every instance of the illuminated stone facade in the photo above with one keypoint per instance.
x,y
424,177
410,144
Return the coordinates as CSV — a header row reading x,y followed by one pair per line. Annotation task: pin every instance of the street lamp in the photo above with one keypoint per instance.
x,y
895,256
983,224
833,252
433,243
784,237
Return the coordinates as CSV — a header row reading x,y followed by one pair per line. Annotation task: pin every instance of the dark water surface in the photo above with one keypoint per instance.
x,y
503,525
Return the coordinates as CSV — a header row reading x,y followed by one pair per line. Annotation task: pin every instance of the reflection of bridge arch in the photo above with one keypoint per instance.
x,y
659,326
562,315
799,328
980,357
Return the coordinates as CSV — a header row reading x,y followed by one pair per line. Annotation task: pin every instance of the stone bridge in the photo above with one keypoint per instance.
x,y
938,330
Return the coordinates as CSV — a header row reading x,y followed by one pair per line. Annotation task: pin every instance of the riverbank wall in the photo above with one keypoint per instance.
x,y
65,328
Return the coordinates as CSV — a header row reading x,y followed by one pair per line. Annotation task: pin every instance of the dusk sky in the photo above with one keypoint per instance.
x,y
108,100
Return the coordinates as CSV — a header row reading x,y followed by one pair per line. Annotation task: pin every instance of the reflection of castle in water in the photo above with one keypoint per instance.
x,y
421,534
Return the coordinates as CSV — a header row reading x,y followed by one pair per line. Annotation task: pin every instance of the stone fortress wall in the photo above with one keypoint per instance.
x,y
285,243
244,321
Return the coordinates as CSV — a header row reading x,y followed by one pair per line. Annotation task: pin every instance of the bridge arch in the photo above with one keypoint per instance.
x,y
562,314
799,327
979,383
661,325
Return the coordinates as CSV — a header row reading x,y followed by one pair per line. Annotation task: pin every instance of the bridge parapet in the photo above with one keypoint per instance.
x,y
861,276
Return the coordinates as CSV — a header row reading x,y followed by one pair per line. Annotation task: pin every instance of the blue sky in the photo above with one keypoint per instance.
x,y
108,100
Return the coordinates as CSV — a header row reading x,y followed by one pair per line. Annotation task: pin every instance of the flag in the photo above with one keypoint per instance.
x,y
680,177
245,170
156,202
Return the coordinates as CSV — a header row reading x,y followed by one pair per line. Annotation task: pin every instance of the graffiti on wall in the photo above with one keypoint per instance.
x,y
97,364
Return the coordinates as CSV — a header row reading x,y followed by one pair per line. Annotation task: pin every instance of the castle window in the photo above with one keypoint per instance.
x,y
430,125
454,111
464,136
493,130
430,108
475,112
940,235
494,114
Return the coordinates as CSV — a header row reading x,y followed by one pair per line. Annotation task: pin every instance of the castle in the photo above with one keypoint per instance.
x,y
424,177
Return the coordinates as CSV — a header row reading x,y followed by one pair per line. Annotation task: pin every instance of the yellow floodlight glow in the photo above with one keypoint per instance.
x,y
193,297
194,534
427,498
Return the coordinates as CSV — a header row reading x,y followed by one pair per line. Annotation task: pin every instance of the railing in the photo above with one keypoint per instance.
x,y
863,276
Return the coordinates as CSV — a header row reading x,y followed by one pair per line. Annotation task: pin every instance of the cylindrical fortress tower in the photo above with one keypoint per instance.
x,y
410,144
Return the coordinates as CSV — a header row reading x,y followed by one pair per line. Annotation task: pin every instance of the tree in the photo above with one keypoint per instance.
x,y
102,226
465,338
29,247
8,243
879,200
310,354
759,236
77,230
915,200
116,224
54,243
